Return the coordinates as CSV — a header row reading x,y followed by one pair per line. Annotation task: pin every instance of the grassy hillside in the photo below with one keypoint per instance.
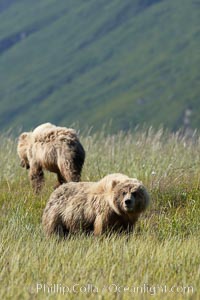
x,y
161,258
92,61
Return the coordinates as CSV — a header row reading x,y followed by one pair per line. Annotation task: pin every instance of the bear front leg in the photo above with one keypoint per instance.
x,y
36,176
51,221
99,226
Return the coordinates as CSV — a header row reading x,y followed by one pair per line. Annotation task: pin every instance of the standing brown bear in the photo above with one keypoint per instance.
x,y
56,149
115,202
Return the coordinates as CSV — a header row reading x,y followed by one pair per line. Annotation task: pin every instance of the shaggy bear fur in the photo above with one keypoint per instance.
x,y
115,202
56,149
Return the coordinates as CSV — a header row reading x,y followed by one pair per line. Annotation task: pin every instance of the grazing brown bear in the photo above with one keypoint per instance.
x,y
115,202
56,149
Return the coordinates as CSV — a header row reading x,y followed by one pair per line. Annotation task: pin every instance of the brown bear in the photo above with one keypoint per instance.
x,y
115,202
56,149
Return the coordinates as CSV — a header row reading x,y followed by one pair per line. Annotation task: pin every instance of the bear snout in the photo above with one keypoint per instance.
x,y
129,204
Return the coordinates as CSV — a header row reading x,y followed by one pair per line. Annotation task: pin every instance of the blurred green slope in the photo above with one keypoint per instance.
x,y
93,61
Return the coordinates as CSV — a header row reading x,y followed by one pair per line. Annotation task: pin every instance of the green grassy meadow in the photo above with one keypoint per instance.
x,y
159,261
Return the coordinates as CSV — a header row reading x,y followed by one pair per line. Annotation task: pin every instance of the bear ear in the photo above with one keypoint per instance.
x,y
113,184
23,136
109,185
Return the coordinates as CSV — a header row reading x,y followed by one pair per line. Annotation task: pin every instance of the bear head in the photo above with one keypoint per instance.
x,y
22,147
129,197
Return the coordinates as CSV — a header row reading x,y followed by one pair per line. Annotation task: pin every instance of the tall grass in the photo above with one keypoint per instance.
x,y
160,259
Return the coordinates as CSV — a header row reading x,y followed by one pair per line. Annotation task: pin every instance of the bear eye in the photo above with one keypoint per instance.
x,y
134,194
123,193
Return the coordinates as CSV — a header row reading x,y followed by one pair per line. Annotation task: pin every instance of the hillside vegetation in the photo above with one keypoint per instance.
x,y
161,258
90,62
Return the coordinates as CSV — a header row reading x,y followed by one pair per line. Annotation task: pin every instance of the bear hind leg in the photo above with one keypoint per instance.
x,y
69,172
52,223
61,180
